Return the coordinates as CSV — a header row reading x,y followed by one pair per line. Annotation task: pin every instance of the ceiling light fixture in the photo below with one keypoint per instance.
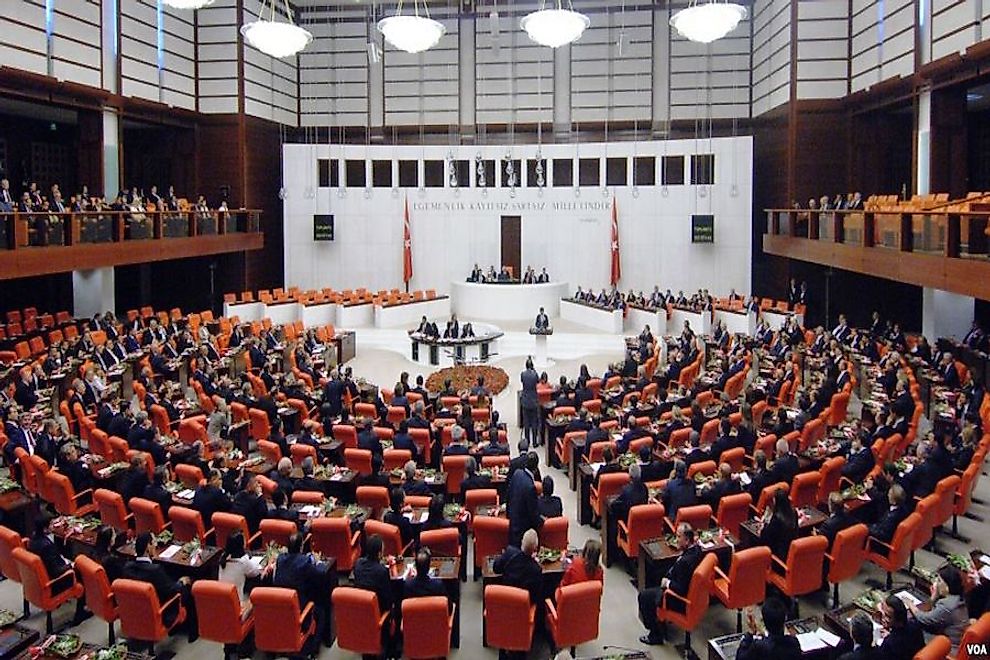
x,y
411,33
556,26
187,4
707,21
277,38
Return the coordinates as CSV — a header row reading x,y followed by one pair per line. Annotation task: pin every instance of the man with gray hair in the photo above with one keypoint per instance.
x,y
143,436
307,481
457,447
632,494
410,484
333,393
518,567
679,491
785,466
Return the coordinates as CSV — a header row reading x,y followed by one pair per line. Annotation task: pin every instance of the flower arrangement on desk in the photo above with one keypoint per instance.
x,y
465,377
7,485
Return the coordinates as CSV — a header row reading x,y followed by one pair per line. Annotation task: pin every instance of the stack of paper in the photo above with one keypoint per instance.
x,y
817,639
908,598
169,552
187,494
309,510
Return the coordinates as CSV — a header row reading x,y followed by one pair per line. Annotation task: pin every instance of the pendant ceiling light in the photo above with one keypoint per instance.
x,y
277,38
411,33
555,27
187,4
708,20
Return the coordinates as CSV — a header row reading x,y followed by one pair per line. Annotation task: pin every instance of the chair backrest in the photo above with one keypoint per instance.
x,y
733,511
225,524
946,492
491,535
706,468
645,522
698,516
62,494
391,536
358,460
357,620
260,426
276,620
454,466
111,507
938,649
964,490
222,602
926,508
139,610
332,537
804,564
395,458
375,497
735,457
748,576
578,613
478,496
99,597
767,494
187,524
903,536
701,584
831,473
277,531
804,490
147,516
9,541
553,534
190,475
34,577
848,553
426,627
442,542
610,484
510,618
978,633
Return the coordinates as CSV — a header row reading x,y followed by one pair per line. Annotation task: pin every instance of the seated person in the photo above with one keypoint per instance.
x,y
472,480
677,580
410,484
371,575
59,569
519,568
724,486
632,494
584,567
780,525
435,518
143,569
549,504
421,583
948,614
861,631
883,530
904,635
838,519
679,492
395,516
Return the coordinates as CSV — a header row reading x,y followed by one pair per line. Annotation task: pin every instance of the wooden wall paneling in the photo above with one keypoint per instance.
x,y
262,166
948,142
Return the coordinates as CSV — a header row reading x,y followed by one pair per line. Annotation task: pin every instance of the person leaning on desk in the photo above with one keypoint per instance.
x,y
776,644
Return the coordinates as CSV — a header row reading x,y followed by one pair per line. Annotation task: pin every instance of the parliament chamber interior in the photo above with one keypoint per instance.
x,y
615,330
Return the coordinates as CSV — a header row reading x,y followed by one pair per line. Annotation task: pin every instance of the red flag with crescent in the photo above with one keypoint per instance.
x,y
407,271
616,266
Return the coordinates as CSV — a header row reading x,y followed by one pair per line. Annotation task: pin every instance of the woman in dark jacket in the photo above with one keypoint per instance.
x,y
782,527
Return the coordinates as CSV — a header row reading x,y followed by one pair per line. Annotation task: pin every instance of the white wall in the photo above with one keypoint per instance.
x,y
568,233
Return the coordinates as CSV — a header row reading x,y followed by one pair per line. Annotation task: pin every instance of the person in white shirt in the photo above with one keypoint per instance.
x,y
236,567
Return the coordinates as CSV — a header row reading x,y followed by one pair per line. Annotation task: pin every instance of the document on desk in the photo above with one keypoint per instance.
x,y
810,641
169,552
908,598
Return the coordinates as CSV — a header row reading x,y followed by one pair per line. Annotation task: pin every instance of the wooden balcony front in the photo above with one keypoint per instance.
x,y
937,248
43,243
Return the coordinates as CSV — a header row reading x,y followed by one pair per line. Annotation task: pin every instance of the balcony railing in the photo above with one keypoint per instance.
x,y
45,229
953,234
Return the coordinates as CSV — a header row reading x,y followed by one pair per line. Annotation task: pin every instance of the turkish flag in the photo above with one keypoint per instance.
x,y
407,271
616,267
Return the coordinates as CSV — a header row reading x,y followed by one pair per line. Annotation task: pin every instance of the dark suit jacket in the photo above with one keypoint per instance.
x,y
416,487
423,585
859,465
903,642
550,506
632,494
861,654
520,570
678,493
473,482
50,556
883,529
302,574
157,493
208,500
252,507
778,647
835,523
400,521
682,570
784,469
372,576
720,489
523,509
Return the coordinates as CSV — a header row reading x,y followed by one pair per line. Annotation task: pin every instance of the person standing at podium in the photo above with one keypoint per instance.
x,y
529,402
542,320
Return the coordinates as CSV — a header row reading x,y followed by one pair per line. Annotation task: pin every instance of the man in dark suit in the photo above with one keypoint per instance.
x,y
530,404
307,577
250,503
25,394
776,644
210,498
403,440
697,454
634,433
883,530
522,507
77,472
142,437
422,584
410,484
838,520
367,439
518,567
42,543
143,569
632,494
677,580
724,486
905,636
542,320
785,466
679,492
156,491
369,574
861,461
307,482
861,631
333,394
472,480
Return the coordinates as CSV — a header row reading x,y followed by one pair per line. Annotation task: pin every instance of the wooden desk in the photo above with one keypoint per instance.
x,y
750,529
182,563
655,553
726,646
